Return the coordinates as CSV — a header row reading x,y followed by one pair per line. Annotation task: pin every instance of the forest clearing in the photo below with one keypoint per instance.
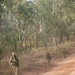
x,y
41,67
33,63
37,37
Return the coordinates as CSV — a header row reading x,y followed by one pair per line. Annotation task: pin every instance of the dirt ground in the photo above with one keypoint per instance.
x,y
65,67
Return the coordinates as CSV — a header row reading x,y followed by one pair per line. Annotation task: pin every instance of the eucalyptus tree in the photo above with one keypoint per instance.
x,y
69,17
53,13
1,12
8,24
27,12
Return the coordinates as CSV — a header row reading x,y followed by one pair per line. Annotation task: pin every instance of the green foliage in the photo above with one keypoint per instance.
x,y
29,23
26,11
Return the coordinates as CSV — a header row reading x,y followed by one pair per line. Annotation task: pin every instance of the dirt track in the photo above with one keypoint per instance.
x,y
65,67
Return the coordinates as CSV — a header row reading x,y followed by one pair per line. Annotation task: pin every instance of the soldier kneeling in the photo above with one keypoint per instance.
x,y
48,57
14,62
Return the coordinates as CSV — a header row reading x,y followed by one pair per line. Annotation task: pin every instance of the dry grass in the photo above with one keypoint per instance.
x,y
31,61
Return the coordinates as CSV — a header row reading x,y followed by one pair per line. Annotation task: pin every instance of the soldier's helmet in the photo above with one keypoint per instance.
x,y
13,53
47,52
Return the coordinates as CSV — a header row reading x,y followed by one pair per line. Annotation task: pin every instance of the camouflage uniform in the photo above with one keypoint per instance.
x,y
48,57
14,62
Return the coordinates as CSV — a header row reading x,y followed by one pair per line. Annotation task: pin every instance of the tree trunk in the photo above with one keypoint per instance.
x,y
35,36
25,41
30,45
46,42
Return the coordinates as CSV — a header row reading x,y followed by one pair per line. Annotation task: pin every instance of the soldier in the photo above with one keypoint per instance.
x,y
64,53
48,57
14,62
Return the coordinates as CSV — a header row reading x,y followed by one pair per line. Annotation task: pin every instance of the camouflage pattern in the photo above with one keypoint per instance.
x,y
48,57
14,62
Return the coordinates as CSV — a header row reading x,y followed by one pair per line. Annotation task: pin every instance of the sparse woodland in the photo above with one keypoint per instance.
x,y
32,28
27,25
